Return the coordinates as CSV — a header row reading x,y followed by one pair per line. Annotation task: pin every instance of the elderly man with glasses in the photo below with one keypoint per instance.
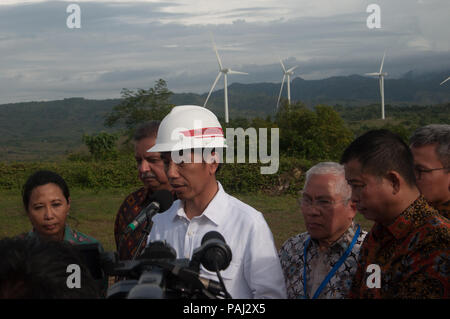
x,y
430,146
321,262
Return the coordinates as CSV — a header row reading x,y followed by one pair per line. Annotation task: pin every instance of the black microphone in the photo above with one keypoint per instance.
x,y
161,201
196,280
214,253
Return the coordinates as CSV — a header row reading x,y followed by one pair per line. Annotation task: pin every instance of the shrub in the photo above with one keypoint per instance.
x,y
122,173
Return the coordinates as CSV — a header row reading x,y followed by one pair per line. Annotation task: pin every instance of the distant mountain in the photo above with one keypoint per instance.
x,y
55,127
352,90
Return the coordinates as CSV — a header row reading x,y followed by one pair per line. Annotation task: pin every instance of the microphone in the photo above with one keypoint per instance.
x,y
160,202
214,254
196,280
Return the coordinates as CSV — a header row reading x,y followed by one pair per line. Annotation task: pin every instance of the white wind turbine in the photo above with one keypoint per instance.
x,y
286,74
445,80
381,76
225,72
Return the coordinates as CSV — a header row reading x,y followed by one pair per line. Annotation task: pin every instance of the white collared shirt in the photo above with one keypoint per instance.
x,y
254,271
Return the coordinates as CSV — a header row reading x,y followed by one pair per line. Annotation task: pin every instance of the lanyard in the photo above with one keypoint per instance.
x,y
332,271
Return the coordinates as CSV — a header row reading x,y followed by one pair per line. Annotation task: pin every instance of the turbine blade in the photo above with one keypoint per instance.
x,y
217,53
292,69
445,80
281,90
236,72
212,88
382,61
282,65
374,74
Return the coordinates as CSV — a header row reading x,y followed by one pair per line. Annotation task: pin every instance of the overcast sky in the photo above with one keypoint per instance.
x,y
131,44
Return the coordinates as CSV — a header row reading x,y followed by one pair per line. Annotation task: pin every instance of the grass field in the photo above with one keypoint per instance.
x,y
93,213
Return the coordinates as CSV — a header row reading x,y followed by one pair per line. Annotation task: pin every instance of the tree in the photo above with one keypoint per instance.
x,y
312,134
101,146
140,106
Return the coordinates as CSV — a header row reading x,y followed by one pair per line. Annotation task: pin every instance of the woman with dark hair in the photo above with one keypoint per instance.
x,y
46,199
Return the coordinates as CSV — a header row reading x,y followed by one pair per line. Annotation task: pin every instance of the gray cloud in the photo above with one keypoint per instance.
x,y
131,45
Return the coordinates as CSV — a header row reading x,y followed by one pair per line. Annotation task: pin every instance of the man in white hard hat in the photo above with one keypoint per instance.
x,y
190,139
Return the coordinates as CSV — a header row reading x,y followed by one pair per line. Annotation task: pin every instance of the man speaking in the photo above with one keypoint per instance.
x,y
191,141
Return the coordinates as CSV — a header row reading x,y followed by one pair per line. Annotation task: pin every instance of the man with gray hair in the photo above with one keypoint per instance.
x,y
321,262
430,146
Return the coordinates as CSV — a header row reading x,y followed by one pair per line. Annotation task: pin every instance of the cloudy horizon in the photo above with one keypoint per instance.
x,y
131,44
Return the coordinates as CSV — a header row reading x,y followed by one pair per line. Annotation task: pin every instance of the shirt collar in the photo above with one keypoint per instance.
x,y
68,234
215,211
341,244
408,219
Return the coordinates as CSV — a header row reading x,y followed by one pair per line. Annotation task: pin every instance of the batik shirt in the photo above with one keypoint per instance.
x,y
412,254
318,264
444,209
128,211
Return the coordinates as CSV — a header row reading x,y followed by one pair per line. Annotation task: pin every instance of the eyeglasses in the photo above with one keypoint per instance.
x,y
419,170
321,203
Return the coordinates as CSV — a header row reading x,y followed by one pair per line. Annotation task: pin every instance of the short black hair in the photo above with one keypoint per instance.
x,y
147,129
35,269
43,177
380,151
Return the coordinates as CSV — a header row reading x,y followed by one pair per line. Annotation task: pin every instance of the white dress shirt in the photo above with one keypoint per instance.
x,y
254,271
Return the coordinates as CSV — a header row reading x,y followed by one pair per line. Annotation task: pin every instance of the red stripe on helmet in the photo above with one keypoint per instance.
x,y
201,132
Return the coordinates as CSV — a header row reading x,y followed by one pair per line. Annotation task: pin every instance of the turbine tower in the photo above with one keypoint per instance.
x,y
381,76
445,80
222,71
286,74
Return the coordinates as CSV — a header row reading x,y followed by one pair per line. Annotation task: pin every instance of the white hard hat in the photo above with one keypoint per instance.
x,y
187,127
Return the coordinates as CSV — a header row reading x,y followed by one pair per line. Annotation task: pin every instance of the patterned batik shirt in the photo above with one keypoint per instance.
x,y
128,211
412,254
444,209
318,264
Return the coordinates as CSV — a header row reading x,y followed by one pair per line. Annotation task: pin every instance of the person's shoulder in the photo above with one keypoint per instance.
x,y
168,214
134,196
79,238
295,243
439,226
243,210
433,232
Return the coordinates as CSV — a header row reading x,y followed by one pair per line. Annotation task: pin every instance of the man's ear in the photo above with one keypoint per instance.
x,y
213,162
395,180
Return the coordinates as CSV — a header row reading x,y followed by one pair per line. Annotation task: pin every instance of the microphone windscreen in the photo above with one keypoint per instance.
x,y
164,198
212,235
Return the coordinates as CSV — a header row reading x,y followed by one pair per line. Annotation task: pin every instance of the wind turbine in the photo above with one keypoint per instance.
x,y
222,71
445,80
381,76
286,74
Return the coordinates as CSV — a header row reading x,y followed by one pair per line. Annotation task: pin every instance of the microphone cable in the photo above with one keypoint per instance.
x,y
222,283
